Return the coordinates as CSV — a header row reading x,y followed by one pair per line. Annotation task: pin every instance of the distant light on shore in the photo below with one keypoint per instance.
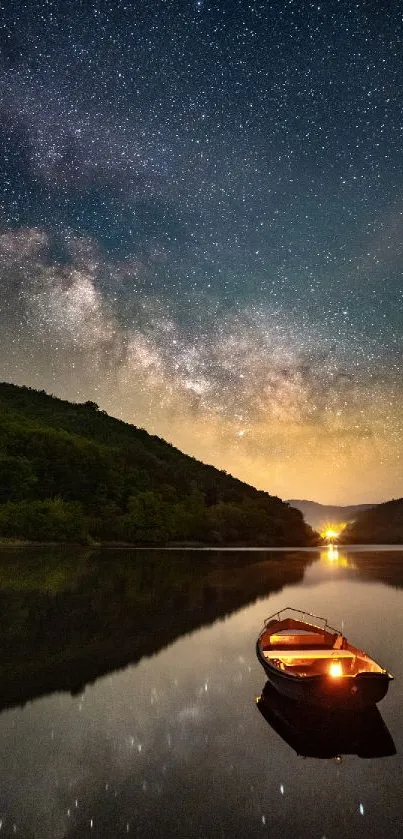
x,y
332,532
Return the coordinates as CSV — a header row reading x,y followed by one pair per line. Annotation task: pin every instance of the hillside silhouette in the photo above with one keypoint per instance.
x,y
380,525
70,472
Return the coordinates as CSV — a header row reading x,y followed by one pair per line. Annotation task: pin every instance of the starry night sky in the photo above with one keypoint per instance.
x,y
201,228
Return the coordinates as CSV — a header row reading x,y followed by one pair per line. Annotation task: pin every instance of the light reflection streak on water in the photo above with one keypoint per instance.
x,y
197,735
335,557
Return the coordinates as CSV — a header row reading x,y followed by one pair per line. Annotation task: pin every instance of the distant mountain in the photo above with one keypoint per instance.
x,y
318,515
380,525
71,473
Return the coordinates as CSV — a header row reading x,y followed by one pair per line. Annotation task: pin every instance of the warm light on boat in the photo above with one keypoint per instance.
x,y
308,660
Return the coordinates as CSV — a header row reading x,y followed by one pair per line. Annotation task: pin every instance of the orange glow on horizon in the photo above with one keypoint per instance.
x,y
332,532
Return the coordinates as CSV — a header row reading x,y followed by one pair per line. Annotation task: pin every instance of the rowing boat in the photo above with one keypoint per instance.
x,y
307,660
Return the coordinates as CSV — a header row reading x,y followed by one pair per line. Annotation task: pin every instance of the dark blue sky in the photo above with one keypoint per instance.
x,y
201,223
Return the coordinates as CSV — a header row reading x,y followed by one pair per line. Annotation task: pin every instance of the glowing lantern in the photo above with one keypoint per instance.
x,y
336,669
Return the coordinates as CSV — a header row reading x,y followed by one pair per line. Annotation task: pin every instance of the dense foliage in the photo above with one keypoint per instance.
x,y
380,525
71,472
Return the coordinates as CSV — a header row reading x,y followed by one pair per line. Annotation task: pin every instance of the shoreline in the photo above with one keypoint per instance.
x,y
193,546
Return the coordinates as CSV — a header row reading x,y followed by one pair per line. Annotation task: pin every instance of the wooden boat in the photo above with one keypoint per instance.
x,y
326,733
307,660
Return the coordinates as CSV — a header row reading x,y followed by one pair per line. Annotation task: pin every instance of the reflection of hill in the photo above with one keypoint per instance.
x,y
373,566
66,620
381,525
367,564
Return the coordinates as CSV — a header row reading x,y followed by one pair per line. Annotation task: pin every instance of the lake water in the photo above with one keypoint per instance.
x,y
128,695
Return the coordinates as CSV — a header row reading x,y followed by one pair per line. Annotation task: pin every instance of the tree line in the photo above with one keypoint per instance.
x,y
380,525
69,472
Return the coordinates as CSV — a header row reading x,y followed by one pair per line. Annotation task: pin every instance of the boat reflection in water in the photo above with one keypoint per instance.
x,y
323,733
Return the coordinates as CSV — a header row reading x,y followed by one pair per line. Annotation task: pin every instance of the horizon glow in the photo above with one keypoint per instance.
x,y
201,220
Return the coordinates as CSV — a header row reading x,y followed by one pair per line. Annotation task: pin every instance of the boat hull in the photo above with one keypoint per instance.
x,y
349,692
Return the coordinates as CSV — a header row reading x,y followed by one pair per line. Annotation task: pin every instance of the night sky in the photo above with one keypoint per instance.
x,y
201,228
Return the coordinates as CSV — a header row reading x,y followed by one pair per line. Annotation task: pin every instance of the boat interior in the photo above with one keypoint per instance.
x,y
306,650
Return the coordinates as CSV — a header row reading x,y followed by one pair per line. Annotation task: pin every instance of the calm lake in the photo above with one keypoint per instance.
x,y
128,695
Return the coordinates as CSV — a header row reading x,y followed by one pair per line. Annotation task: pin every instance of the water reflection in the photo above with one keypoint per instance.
x,y
169,743
320,733
68,618
334,556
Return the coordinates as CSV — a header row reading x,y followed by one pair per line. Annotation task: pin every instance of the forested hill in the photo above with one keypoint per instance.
x,y
381,525
70,472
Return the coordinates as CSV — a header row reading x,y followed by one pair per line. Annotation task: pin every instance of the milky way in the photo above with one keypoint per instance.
x,y
201,225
